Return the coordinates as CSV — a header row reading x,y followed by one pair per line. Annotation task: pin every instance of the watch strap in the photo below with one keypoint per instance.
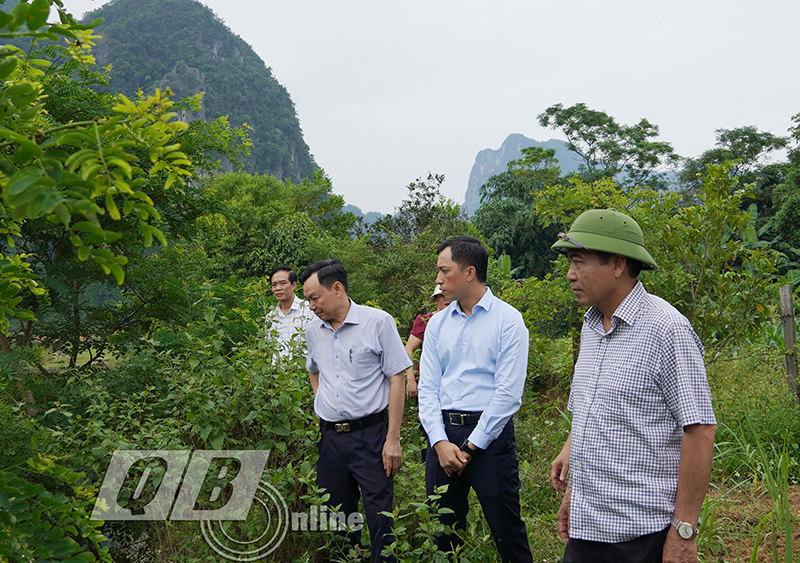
x,y
464,447
678,523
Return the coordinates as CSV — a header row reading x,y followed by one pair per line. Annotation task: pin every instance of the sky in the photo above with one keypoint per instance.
x,y
387,92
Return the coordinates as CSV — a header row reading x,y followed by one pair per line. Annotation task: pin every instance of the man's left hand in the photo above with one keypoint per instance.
x,y
392,457
679,550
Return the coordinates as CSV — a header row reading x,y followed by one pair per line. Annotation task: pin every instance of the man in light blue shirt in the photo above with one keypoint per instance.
x,y
472,376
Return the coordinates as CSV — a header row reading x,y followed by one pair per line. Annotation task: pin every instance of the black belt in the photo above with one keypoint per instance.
x,y
459,418
351,425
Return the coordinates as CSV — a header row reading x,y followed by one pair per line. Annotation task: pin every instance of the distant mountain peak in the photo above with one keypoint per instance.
x,y
490,162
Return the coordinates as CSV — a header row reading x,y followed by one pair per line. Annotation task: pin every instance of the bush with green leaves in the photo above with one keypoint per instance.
x,y
37,524
711,267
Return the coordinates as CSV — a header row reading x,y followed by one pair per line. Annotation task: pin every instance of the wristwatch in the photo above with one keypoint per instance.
x,y
464,447
685,530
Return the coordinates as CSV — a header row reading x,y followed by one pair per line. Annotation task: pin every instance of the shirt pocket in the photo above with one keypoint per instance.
x,y
365,361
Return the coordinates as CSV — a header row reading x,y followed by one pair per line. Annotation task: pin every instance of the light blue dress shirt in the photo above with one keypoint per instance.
x,y
475,363
354,362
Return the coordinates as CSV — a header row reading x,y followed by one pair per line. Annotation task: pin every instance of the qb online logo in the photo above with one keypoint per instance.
x,y
209,486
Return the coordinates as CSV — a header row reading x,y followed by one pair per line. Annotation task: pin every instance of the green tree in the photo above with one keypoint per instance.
x,y
630,154
402,272
71,321
748,150
787,194
709,267
507,219
260,222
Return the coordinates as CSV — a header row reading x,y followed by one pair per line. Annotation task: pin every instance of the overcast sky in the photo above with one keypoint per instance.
x,y
387,92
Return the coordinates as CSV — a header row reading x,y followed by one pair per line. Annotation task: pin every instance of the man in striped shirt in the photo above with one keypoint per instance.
x,y
636,465
356,362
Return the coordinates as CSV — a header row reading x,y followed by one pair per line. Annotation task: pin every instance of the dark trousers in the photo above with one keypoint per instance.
x,y
644,549
494,474
351,466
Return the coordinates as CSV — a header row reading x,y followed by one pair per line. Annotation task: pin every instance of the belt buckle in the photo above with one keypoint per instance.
x,y
456,419
342,427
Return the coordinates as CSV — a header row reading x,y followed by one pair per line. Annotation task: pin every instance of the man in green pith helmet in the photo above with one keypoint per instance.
x,y
636,464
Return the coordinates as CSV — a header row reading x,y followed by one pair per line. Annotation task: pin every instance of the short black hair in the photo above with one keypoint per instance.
x,y
292,275
633,265
468,251
328,273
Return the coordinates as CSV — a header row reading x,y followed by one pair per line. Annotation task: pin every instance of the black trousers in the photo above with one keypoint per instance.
x,y
494,474
351,466
644,549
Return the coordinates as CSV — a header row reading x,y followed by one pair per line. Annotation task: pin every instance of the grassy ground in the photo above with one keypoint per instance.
x,y
61,361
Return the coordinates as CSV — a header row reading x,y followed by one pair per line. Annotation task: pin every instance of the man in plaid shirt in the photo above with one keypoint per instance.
x,y
290,316
636,465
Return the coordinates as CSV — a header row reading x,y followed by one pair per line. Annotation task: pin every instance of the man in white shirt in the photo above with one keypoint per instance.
x,y
291,314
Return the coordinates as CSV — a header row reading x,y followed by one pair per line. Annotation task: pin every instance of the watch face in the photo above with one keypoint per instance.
x,y
685,530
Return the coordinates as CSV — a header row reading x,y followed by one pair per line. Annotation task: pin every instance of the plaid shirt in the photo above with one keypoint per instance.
x,y
293,322
634,390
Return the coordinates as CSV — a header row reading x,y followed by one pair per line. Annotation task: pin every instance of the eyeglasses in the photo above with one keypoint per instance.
x,y
563,236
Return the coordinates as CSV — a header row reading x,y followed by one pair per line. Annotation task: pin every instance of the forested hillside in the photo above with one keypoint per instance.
x,y
183,45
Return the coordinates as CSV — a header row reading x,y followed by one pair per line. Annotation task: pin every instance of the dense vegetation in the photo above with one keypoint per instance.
x,y
182,45
133,290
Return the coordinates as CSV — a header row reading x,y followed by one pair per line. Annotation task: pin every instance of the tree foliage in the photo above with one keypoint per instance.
x,y
402,272
711,266
628,153
79,173
507,217
260,222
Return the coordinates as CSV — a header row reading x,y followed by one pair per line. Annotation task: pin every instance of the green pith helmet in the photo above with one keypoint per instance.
x,y
606,230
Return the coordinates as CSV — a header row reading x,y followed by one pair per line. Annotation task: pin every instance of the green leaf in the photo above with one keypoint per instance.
x,y
37,14
22,94
26,151
21,182
63,214
88,227
7,66
119,274
20,13
111,207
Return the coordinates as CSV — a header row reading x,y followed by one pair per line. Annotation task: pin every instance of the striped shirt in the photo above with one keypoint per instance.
x,y
634,389
289,324
354,362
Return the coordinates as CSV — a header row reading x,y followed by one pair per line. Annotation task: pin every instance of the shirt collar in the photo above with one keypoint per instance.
x,y
627,310
350,319
296,305
485,303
